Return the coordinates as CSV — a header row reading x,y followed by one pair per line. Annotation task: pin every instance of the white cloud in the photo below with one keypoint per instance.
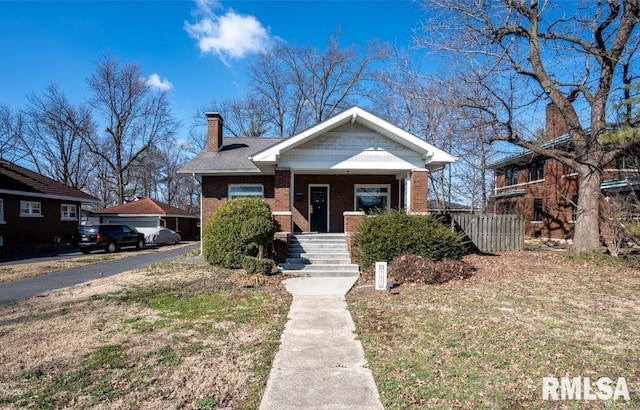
x,y
229,35
154,81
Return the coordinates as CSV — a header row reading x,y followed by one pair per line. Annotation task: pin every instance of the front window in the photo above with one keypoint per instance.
x,y
574,208
30,208
1,210
511,176
246,191
69,212
537,210
371,197
536,170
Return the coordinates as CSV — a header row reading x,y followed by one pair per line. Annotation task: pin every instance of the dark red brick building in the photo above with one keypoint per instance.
x,y
36,212
545,191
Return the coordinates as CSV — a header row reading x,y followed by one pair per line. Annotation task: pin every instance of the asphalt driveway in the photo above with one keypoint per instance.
x,y
25,288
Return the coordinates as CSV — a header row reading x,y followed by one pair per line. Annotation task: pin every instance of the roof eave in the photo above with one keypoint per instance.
x,y
50,196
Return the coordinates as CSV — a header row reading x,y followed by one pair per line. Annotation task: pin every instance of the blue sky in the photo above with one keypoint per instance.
x,y
197,49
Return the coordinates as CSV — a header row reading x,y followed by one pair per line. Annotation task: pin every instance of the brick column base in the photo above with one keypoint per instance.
x,y
352,220
283,220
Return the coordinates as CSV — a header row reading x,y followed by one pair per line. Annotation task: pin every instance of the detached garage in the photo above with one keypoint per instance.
x,y
147,213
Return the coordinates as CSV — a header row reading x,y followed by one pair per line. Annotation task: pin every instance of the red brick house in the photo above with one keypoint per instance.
x,y
545,191
36,212
148,213
314,181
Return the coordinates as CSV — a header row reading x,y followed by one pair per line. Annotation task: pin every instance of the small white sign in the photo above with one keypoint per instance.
x,y
381,275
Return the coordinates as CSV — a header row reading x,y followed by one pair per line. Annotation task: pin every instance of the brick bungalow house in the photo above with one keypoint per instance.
x,y
318,180
148,213
36,212
545,191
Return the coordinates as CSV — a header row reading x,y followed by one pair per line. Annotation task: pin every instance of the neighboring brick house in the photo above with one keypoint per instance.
x,y
36,212
146,213
350,163
545,191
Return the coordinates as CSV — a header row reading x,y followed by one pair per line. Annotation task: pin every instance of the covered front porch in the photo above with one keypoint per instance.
x,y
307,201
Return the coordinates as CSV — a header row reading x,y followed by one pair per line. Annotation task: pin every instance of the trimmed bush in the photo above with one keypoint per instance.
x,y
255,265
385,235
238,228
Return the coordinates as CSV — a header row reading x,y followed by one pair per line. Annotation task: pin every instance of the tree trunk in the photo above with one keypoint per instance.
x,y
586,237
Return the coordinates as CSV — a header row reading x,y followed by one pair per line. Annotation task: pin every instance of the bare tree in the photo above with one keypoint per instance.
x,y
428,106
11,130
529,52
271,82
136,117
328,80
55,134
243,117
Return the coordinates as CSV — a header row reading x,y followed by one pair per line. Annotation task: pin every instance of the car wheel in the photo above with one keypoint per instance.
x,y
111,247
140,244
85,250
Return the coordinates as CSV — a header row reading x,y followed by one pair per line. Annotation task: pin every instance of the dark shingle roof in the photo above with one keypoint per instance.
x,y
232,157
145,206
16,179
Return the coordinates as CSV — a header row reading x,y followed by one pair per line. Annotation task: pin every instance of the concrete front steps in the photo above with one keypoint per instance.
x,y
319,254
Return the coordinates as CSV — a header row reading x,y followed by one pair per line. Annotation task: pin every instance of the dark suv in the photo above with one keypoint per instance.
x,y
108,237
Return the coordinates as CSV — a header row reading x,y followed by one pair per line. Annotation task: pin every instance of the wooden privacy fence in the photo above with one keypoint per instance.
x,y
492,233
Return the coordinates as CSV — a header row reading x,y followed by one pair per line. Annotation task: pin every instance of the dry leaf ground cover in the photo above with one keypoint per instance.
x,y
177,335
487,342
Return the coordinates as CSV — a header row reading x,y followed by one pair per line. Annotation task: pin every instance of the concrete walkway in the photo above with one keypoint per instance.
x,y
320,364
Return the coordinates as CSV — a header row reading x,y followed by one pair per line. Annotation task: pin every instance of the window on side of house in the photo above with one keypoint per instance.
x,y
68,212
30,208
537,210
246,191
371,197
536,170
2,211
574,208
627,161
511,176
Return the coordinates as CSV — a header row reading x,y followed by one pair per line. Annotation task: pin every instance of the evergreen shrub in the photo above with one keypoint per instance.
x,y
238,228
385,235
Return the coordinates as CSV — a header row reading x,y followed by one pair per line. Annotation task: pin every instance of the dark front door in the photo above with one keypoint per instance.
x,y
318,209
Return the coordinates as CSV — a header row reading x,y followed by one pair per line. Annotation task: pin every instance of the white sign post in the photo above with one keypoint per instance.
x,y
381,275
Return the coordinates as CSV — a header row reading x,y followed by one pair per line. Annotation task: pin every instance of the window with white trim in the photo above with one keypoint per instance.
x,y
68,212
1,211
246,191
371,197
30,208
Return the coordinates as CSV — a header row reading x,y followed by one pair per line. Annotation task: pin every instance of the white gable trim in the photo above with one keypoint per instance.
x,y
428,152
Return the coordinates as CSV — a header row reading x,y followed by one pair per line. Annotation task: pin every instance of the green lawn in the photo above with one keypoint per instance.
x,y
487,342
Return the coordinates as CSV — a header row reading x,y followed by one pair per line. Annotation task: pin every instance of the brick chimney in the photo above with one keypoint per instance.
x,y
214,131
555,124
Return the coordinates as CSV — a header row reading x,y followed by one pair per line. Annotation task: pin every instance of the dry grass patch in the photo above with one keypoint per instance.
x,y
22,270
176,335
487,342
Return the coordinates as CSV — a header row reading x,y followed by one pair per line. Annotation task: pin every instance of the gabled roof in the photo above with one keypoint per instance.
x,y
233,157
16,180
145,207
430,154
